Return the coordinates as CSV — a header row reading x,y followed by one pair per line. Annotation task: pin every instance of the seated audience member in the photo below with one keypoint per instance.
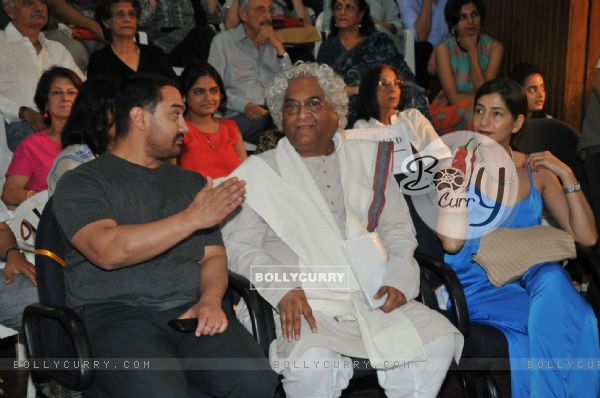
x,y
532,81
541,314
149,230
588,148
211,12
171,25
21,67
379,97
464,61
72,13
296,217
355,46
18,283
383,12
123,56
79,13
213,146
280,8
89,131
426,19
248,58
29,167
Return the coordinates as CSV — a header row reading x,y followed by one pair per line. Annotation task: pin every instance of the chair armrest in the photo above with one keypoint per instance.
x,y
78,379
261,313
590,260
454,287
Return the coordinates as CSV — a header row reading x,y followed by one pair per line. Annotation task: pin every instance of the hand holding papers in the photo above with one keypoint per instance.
x,y
369,260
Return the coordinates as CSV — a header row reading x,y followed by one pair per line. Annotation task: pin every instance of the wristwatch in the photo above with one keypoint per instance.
x,y
572,188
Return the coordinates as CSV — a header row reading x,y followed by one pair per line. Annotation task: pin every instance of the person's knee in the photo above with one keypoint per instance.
x,y
550,277
323,373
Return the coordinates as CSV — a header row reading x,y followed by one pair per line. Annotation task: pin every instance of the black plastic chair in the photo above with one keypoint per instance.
x,y
54,330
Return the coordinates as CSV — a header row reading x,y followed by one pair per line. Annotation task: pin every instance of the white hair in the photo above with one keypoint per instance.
x,y
331,83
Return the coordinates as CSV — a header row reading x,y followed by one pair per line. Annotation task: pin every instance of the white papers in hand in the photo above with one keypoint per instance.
x,y
368,258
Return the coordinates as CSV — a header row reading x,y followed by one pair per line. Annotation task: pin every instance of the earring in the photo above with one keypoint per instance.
x,y
452,31
46,115
359,26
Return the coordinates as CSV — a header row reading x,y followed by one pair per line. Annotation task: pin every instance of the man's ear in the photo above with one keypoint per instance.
x,y
10,10
138,117
243,13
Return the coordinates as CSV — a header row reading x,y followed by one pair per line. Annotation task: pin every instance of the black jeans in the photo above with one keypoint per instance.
x,y
170,363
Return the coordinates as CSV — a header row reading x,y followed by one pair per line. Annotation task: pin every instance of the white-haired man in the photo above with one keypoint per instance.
x,y
26,54
248,58
306,200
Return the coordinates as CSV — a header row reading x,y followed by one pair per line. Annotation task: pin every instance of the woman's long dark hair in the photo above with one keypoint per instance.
x,y
520,73
91,115
366,24
452,11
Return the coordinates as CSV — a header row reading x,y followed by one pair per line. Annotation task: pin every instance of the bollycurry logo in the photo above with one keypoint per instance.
x,y
465,178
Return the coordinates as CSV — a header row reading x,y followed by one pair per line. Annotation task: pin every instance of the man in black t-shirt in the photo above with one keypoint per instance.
x,y
146,248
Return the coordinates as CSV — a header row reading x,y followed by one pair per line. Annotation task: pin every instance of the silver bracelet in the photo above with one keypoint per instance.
x,y
572,188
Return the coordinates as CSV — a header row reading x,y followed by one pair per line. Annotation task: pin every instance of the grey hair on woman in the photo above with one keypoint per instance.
x,y
331,83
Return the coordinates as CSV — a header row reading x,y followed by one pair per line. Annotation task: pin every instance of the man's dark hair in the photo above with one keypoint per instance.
x,y
139,90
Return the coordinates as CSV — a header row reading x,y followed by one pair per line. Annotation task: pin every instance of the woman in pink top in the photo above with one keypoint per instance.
x,y
33,158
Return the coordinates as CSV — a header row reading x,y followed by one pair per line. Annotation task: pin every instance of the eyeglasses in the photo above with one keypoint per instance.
x,y
312,105
387,84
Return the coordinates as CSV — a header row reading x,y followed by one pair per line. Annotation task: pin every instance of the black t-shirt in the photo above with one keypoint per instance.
x,y
112,188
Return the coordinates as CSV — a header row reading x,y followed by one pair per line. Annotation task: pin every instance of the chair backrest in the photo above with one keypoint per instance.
x,y
555,136
5,153
53,330
409,49
50,245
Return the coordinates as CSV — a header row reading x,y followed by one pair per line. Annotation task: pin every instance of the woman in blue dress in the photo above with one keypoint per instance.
x,y
552,331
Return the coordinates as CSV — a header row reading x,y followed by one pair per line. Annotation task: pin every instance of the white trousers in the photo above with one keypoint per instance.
x,y
324,373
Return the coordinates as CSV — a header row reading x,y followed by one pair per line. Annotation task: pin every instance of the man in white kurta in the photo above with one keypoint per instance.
x,y
304,199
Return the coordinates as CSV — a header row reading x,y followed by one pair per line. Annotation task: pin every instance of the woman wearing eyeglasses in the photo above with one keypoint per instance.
x,y
379,99
354,46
